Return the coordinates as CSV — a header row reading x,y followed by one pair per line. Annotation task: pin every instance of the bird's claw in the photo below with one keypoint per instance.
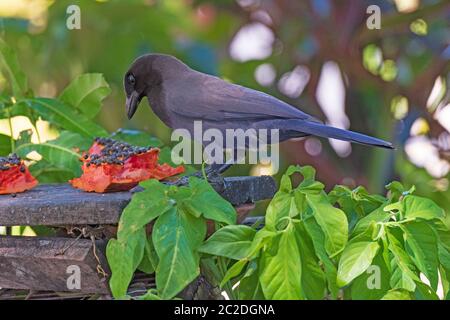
x,y
212,176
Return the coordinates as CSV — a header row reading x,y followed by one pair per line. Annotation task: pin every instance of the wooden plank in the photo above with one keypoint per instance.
x,y
45,264
41,264
61,204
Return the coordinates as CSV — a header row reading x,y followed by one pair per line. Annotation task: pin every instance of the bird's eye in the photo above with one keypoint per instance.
x,y
131,79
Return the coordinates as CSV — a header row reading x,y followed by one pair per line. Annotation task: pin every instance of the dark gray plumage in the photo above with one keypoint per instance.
x,y
179,95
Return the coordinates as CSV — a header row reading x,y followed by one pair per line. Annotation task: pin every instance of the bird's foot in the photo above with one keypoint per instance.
x,y
212,176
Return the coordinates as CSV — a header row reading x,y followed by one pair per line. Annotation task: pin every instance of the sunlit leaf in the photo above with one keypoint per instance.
x,y
176,237
86,93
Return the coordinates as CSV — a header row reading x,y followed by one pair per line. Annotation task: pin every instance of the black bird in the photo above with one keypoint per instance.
x,y
180,95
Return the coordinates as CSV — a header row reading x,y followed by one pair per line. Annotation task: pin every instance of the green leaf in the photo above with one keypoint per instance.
x,y
313,279
378,215
249,287
61,115
10,63
397,294
232,241
422,244
176,237
355,259
418,207
318,239
144,207
150,259
5,145
136,138
372,284
123,259
332,221
233,271
281,274
63,152
443,233
263,237
424,292
357,202
206,201
288,202
86,93
282,205
403,269
444,259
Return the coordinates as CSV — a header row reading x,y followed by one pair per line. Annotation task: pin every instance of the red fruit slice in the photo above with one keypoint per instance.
x,y
14,175
112,166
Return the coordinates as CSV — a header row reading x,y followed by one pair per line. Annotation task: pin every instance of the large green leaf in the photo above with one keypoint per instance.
x,y
63,152
10,63
424,292
289,202
176,237
262,238
144,207
355,259
282,205
378,215
206,201
313,278
333,222
421,243
417,207
372,284
281,274
150,259
403,270
86,93
318,239
124,258
232,241
443,233
444,258
234,271
249,287
61,115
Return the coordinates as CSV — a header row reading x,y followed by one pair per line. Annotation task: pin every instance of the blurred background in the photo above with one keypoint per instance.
x,y
318,55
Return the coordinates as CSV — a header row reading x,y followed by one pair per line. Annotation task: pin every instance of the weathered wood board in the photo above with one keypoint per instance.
x,y
43,264
38,263
60,204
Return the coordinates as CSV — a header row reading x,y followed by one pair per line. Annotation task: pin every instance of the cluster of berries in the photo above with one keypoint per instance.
x,y
113,152
11,160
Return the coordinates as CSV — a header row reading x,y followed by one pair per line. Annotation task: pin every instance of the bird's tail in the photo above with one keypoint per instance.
x,y
325,131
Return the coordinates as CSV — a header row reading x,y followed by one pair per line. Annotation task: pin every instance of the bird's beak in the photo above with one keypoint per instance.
x,y
132,103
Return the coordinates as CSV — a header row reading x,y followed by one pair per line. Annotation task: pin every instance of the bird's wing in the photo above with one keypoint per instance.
x,y
204,97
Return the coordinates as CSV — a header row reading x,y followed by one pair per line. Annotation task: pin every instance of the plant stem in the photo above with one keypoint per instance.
x,y
37,133
11,132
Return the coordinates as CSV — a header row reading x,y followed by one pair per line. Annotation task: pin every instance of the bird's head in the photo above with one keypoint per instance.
x,y
146,73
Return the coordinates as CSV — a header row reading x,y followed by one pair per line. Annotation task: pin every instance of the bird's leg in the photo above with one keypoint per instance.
x,y
212,172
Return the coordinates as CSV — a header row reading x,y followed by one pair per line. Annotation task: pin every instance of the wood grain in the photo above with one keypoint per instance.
x,y
41,263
